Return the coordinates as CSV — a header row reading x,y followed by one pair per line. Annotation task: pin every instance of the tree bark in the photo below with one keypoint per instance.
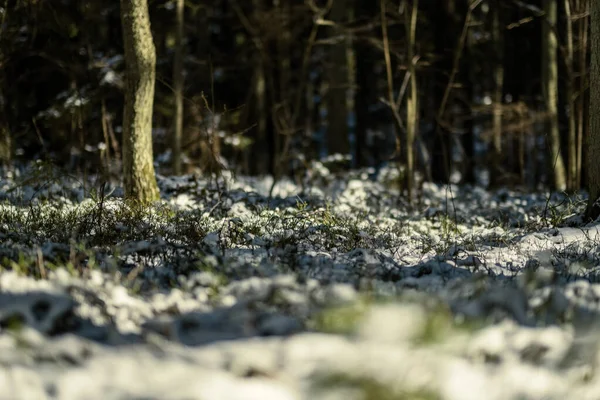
x,y
5,146
260,149
337,77
466,77
550,92
498,42
412,106
5,138
572,183
583,98
178,80
363,98
140,60
260,92
593,142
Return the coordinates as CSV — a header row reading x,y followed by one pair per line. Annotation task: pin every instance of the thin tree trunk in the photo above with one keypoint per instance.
x,y
572,184
140,60
389,73
5,139
5,146
446,33
178,80
498,42
337,77
260,93
260,148
280,91
593,144
550,92
362,101
350,83
582,103
466,76
412,106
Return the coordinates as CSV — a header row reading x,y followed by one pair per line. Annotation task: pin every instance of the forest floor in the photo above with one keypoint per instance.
x,y
342,291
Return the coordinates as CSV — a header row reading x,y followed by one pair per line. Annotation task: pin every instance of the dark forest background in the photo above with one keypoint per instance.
x,y
466,91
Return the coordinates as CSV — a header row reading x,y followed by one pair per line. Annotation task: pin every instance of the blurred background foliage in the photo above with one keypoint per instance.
x,y
272,85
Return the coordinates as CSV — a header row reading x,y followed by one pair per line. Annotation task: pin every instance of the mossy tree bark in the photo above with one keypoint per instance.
x,y
593,140
140,60
550,92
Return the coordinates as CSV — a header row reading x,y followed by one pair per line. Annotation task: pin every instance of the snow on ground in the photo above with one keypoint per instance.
x,y
337,289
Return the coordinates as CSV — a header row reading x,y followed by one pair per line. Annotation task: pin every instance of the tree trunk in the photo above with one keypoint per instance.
x,y
412,106
5,146
5,138
140,60
572,183
583,98
445,37
178,80
279,89
550,92
260,92
337,77
362,100
498,42
593,144
467,76
261,156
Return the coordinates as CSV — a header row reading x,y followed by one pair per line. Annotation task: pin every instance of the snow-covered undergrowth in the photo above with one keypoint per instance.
x,y
338,290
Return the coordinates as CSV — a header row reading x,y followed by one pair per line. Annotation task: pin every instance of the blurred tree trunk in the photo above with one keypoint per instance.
x,y
572,184
362,101
498,43
337,77
466,77
279,88
583,97
5,136
412,105
550,93
5,131
593,143
445,36
5,145
365,79
140,60
209,105
178,80
261,156
521,71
